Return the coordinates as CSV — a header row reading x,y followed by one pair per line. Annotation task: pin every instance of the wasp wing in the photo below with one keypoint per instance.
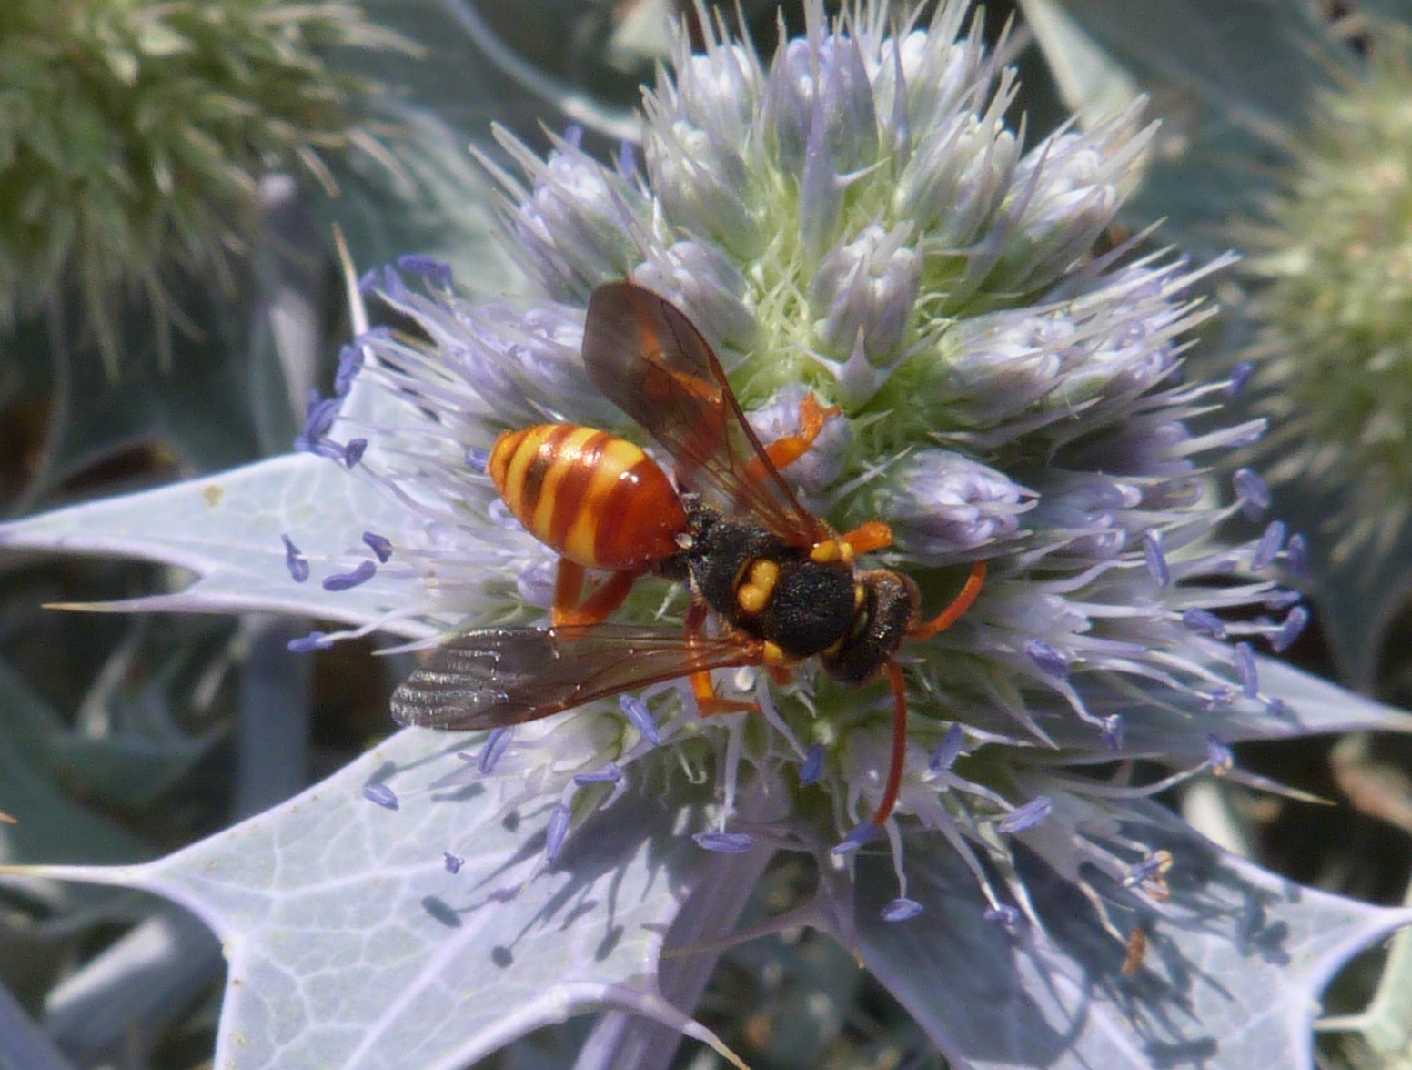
x,y
646,357
495,677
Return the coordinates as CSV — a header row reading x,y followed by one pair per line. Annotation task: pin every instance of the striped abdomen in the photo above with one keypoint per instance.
x,y
593,497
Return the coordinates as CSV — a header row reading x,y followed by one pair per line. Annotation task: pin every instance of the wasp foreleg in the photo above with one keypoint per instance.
x,y
865,538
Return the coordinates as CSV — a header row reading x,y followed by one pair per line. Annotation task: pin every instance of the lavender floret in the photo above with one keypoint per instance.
x,y
345,581
380,546
295,561
381,794
732,843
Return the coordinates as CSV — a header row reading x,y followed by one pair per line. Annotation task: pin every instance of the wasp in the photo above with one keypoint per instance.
x,y
783,584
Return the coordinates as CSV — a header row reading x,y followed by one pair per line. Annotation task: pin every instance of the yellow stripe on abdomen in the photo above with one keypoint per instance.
x,y
616,457
568,454
513,489
499,464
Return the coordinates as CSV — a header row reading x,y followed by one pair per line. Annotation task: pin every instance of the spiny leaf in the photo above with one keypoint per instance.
x,y
349,941
1232,976
227,529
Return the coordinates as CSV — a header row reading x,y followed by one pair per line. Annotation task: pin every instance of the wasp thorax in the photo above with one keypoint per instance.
x,y
768,588
811,607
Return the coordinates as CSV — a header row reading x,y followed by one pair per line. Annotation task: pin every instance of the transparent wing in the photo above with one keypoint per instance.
x,y
647,358
502,676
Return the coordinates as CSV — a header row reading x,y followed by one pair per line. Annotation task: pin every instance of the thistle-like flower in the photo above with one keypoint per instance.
x,y
135,135
855,220
1008,397
858,219
1332,268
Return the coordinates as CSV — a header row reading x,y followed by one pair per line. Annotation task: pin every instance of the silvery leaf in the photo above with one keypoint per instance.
x,y
1161,722
1386,1026
1312,706
723,887
350,943
226,528
1231,979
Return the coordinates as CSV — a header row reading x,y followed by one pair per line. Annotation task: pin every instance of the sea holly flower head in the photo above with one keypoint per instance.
x,y
856,219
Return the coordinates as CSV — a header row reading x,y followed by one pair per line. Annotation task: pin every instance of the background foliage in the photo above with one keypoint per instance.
x,y
129,737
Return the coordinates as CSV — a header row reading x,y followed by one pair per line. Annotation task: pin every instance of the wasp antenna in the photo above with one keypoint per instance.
x,y
958,607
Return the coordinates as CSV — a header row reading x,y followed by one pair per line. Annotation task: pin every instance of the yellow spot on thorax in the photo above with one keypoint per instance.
x,y
828,550
774,654
213,493
754,594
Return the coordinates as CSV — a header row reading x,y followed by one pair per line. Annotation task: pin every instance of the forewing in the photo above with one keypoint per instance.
x,y
495,677
646,357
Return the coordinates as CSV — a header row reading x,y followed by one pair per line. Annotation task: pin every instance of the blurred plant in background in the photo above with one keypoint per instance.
x,y
124,738
1330,266
1286,135
174,730
134,133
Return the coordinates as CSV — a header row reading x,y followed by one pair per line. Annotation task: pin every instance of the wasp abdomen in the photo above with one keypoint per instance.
x,y
591,496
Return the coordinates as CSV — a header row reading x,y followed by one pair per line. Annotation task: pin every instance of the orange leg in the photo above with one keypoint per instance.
x,y
568,586
952,613
945,619
567,611
865,538
899,743
784,451
707,703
